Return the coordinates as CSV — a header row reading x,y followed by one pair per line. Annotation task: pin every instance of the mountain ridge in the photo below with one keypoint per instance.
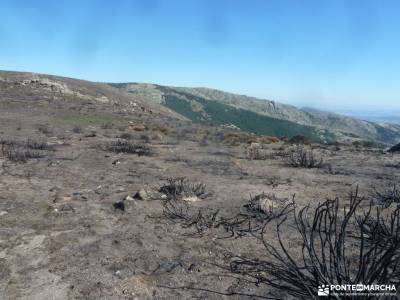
x,y
215,107
343,128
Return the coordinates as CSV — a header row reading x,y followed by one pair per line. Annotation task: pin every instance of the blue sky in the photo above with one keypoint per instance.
x,y
335,55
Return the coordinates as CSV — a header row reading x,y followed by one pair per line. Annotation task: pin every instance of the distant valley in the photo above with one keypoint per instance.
x,y
375,116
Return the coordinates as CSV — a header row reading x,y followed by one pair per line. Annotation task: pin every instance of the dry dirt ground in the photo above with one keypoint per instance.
x,y
62,238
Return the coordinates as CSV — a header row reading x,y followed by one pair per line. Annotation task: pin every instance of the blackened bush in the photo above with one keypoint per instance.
x,y
123,146
180,212
336,247
8,142
388,195
21,151
17,154
300,157
38,145
182,187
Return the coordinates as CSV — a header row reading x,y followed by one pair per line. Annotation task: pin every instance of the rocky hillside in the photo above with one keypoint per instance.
x,y
199,104
18,86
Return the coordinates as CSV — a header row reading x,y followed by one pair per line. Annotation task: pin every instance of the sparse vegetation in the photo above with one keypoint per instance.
x,y
300,157
177,188
17,152
180,212
250,220
123,146
21,151
38,145
84,120
255,214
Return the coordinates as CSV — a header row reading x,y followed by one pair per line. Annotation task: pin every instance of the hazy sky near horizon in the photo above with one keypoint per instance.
x,y
340,54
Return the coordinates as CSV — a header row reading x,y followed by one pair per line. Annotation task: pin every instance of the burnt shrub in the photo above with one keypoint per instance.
x,y
8,142
38,145
300,157
248,220
179,212
123,146
182,187
387,195
21,151
333,246
19,154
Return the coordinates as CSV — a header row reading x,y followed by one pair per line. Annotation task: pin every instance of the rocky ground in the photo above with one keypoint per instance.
x,y
64,235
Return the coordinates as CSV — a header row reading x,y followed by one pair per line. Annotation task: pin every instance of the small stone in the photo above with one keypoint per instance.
x,y
129,198
268,205
144,194
191,199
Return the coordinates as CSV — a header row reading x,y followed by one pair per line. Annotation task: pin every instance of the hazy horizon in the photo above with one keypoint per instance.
x,y
336,56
